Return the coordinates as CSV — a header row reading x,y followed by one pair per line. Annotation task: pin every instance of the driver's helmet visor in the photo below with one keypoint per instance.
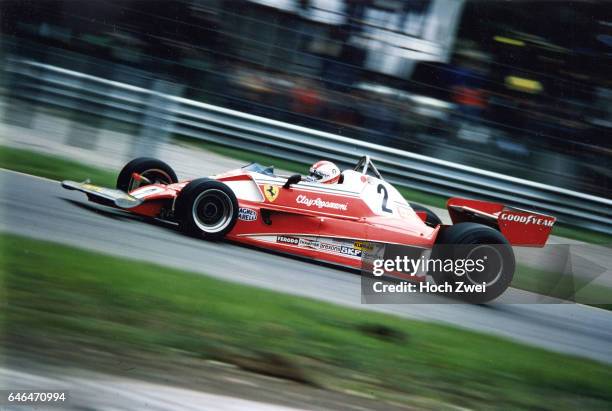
x,y
316,174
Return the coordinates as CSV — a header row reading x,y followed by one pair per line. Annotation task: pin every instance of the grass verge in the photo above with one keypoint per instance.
x,y
564,286
581,234
60,301
54,167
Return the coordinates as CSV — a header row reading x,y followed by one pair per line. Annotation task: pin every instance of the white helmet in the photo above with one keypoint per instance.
x,y
324,172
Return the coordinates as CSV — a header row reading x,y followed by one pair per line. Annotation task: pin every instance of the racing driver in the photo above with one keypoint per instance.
x,y
324,172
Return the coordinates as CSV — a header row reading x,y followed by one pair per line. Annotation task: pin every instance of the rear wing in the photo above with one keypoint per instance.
x,y
520,227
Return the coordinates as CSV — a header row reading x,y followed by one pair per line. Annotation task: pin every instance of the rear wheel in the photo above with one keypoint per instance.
x,y
206,208
432,219
153,170
478,243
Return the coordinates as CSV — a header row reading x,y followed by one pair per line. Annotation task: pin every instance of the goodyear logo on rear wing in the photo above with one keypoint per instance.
x,y
528,219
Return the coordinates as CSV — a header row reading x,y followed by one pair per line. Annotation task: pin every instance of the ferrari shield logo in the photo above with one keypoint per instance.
x,y
271,192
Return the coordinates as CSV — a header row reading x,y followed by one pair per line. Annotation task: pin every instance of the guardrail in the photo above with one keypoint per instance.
x,y
174,115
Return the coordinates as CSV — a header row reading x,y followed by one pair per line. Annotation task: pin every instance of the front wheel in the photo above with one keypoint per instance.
x,y
153,170
492,261
206,208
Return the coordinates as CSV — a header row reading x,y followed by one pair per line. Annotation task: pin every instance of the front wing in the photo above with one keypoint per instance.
x,y
103,195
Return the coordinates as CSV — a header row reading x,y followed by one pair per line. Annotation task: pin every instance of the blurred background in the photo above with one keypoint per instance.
x,y
520,88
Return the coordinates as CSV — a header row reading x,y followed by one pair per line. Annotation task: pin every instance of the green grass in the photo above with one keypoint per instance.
x,y
53,167
565,287
59,301
581,234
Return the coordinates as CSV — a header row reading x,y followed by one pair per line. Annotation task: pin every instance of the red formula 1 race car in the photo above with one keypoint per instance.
x,y
327,222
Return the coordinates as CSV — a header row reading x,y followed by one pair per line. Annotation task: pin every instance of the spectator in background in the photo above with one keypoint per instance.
x,y
467,84
378,118
340,112
279,96
307,101
467,89
251,89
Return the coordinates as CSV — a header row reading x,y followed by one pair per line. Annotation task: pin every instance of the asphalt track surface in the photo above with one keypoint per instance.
x,y
90,391
40,208
213,386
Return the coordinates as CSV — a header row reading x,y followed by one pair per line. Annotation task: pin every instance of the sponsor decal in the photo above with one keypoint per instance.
x,y
271,192
91,187
288,240
330,247
340,249
309,243
146,191
363,246
319,203
326,246
350,251
527,219
247,214
114,194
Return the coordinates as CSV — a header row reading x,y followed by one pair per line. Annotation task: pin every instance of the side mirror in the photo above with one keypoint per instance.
x,y
294,179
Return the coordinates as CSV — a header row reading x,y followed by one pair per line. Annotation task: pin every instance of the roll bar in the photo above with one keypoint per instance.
x,y
364,164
